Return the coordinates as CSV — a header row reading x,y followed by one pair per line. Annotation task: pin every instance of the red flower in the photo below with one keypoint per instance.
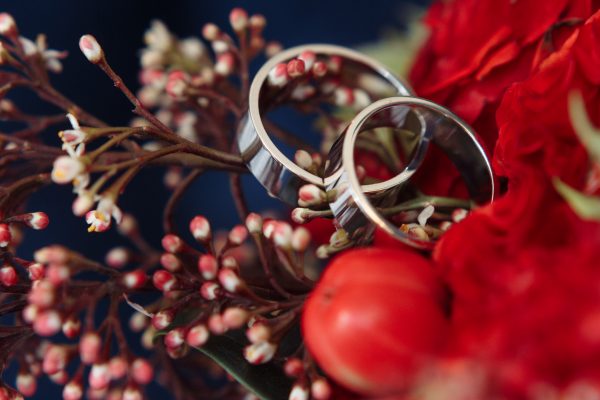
x,y
524,270
477,49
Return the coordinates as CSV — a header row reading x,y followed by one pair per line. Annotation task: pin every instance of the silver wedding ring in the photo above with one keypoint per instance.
x,y
277,173
357,211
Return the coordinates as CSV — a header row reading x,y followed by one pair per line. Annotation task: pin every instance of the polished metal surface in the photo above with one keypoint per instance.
x,y
356,211
278,174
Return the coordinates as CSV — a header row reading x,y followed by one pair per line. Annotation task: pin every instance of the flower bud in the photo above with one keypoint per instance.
x,y
5,235
258,332
36,271
293,367
309,195
209,290
170,262
208,267
237,235
303,159
175,338
295,68
309,58
91,49
117,257
42,293
51,254
282,235
30,313
26,384
162,319
278,76
300,239
200,228
299,215
216,324
117,366
132,393
90,346
134,279
177,84
82,204
72,391
37,220
238,18
343,96
319,69
225,64
254,223
268,228
57,274
320,389
230,280
211,32
54,360
99,376
299,392
71,327
197,335
235,317
8,27
142,371
172,243
260,352
47,323
163,280
459,214
8,276
138,322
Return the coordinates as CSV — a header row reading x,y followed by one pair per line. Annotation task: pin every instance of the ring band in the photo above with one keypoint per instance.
x,y
357,213
278,174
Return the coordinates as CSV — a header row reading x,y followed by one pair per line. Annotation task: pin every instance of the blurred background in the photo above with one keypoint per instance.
x,y
119,26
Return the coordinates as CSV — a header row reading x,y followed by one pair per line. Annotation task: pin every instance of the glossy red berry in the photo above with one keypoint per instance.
x,y
374,318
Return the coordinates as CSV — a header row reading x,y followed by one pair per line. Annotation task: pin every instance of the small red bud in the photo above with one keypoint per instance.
x,y
208,267
197,335
142,371
200,228
90,346
172,243
163,280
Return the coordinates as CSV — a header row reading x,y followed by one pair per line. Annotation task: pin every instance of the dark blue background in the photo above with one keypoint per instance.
x,y
119,26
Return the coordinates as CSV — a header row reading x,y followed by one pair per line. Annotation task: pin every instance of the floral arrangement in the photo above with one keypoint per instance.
x,y
506,306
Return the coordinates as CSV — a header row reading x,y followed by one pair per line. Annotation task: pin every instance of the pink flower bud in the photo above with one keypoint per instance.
x,y
257,22
282,235
99,376
230,262
320,389
177,84
117,257
60,378
51,254
299,392
175,338
37,220
343,96
117,367
230,280
30,313
132,393
163,280
5,235
36,271
91,49
319,69
208,267
238,18
162,319
235,317
295,68
8,27
237,235
135,279
258,332
225,64
293,367
311,195
26,384
334,64
42,293
260,352
211,32
128,225
309,58
8,276
90,346
72,391
254,223
269,228
200,228
216,325
47,323
303,159
82,204
209,290
299,215
55,359
170,262
172,243
278,76
300,239
71,327
142,371
197,335
57,274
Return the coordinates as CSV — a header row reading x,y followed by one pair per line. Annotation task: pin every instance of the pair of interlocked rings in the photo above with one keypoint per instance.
x,y
356,206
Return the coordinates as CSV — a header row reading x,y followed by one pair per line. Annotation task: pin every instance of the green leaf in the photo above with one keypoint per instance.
x,y
267,381
587,207
588,134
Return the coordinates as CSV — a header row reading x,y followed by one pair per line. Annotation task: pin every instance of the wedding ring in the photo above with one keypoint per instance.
x,y
357,211
277,173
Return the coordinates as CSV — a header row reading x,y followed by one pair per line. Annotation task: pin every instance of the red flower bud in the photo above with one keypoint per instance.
x,y
197,335
200,228
208,267
142,371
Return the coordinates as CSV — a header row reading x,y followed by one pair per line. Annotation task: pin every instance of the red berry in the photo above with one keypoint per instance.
x,y
374,304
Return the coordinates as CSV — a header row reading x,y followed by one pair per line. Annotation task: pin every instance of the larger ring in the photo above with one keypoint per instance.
x,y
278,174
356,212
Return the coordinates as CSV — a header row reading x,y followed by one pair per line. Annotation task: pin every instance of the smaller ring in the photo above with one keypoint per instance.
x,y
356,211
277,173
